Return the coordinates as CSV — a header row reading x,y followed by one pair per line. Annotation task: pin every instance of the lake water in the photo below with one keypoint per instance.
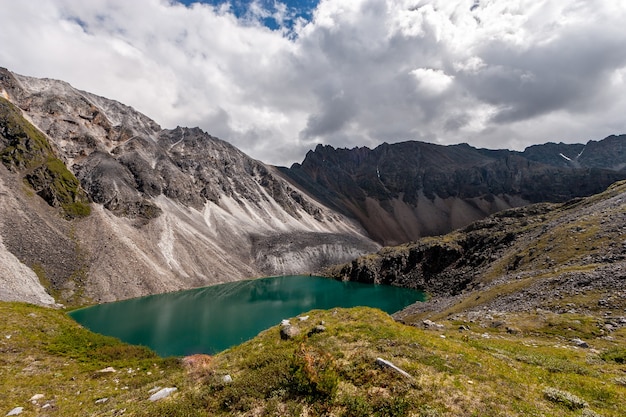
x,y
211,319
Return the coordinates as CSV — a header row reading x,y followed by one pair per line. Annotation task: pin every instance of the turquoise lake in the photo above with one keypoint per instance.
x,y
212,319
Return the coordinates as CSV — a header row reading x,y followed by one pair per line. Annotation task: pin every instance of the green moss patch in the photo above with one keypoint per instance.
x,y
25,149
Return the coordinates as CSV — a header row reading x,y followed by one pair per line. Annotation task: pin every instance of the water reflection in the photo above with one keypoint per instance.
x,y
211,319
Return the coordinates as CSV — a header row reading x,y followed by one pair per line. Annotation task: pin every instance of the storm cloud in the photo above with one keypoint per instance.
x,y
497,74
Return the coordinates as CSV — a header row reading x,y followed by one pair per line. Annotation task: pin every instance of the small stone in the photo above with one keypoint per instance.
x,y
227,379
442,336
303,318
429,324
163,393
16,411
463,328
36,397
513,330
580,343
285,322
320,328
110,369
102,400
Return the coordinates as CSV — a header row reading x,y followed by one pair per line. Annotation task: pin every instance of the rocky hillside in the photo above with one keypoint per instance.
x,y
567,257
102,204
405,191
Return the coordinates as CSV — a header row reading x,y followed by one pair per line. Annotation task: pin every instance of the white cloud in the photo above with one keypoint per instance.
x,y
432,81
506,73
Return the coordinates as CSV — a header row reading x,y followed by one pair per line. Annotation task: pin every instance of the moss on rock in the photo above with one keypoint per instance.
x,y
26,150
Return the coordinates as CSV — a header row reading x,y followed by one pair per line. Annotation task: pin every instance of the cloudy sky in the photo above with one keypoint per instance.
x,y
276,78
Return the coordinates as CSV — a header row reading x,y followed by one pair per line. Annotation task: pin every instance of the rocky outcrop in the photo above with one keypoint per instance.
x,y
404,191
25,150
537,256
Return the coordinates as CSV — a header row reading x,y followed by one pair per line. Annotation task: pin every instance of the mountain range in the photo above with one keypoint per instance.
x,y
99,203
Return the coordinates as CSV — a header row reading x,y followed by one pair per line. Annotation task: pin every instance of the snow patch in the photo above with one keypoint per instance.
x,y
565,157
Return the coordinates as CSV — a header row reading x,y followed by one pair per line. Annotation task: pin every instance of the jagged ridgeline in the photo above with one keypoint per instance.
x,y
26,150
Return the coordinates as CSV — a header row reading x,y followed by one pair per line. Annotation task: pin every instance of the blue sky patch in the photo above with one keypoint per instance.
x,y
272,14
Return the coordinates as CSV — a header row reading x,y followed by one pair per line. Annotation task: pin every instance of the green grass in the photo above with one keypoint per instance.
x,y
463,374
45,352
535,372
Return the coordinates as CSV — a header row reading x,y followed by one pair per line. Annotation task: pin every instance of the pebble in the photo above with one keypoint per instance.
x,y
102,400
227,379
16,411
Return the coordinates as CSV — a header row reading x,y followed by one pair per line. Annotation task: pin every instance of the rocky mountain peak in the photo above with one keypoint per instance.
x,y
173,208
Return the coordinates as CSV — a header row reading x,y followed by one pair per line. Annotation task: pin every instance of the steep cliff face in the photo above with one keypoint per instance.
x,y
404,191
170,209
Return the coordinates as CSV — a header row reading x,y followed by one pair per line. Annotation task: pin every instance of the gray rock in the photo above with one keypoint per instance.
x,y
227,379
289,332
162,393
579,343
102,400
429,324
320,328
386,364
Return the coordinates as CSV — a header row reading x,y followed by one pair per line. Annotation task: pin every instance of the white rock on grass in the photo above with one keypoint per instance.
x,y
163,393
36,397
16,411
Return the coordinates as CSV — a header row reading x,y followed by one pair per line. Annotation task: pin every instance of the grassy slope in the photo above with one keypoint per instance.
x,y
482,372
42,351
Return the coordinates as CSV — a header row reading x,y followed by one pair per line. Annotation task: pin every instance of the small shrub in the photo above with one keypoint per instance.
x,y
314,373
356,407
392,407
427,411
564,398
617,355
